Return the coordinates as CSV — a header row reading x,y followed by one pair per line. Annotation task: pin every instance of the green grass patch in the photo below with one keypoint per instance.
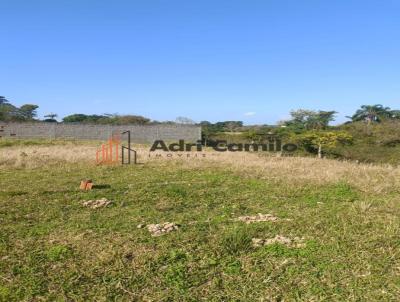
x,y
53,248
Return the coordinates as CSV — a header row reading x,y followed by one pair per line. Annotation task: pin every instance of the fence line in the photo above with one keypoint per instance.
x,y
140,133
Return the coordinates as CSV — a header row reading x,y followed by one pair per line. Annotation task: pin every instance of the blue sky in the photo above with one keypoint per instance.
x,y
207,60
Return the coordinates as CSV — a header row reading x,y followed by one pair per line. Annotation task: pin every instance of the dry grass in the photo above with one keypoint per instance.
x,y
299,170
295,170
37,156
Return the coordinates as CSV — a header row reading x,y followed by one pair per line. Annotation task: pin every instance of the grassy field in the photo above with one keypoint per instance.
x,y
52,248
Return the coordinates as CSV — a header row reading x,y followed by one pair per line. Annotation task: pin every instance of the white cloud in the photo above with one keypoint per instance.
x,y
251,113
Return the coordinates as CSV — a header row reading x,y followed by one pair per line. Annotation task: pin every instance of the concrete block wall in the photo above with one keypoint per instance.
x,y
139,133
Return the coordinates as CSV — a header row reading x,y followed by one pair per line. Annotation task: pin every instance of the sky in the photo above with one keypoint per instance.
x,y
212,60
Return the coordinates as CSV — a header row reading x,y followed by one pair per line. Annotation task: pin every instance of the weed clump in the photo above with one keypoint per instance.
x,y
236,240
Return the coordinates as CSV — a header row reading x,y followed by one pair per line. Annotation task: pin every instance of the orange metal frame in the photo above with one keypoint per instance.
x,y
109,152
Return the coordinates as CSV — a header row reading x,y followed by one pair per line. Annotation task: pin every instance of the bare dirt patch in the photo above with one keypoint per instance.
x,y
296,242
258,218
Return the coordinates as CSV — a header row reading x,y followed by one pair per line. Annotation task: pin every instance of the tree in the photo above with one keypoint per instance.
x,y
3,100
127,119
113,119
252,136
51,118
310,119
231,126
184,120
320,120
371,113
395,114
324,140
228,126
301,116
7,111
82,118
206,131
28,111
51,115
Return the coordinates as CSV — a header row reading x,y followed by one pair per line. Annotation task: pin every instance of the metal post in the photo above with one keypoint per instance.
x,y
129,147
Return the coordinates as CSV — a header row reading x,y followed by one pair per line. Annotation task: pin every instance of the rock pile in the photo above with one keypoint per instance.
x,y
94,204
295,242
162,228
257,218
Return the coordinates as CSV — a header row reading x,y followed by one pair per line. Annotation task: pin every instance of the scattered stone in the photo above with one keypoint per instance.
x,y
162,228
140,226
258,218
94,204
295,242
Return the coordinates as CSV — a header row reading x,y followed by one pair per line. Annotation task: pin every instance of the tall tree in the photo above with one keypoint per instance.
x,y
322,119
371,113
228,125
8,112
28,111
323,140
184,120
310,119
232,125
3,100
83,118
51,117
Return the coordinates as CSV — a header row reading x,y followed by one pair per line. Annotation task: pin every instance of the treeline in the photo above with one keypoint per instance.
x,y
371,135
9,112
28,113
114,119
301,119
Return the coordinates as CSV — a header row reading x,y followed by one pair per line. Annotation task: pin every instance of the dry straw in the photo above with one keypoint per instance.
x,y
294,170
